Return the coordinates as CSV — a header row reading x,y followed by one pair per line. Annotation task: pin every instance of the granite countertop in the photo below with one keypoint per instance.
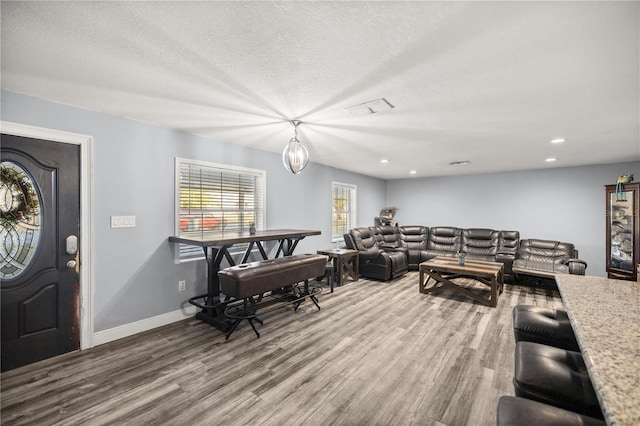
x,y
605,315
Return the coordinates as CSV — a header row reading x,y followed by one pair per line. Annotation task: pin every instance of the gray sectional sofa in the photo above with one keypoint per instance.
x,y
387,252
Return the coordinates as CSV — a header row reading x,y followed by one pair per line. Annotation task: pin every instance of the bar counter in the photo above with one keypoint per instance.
x,y
605,315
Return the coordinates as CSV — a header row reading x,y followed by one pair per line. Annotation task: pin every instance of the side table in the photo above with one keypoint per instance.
x,y
346,264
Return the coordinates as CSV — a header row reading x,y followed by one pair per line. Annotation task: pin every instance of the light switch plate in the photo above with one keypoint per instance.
x,y
123,221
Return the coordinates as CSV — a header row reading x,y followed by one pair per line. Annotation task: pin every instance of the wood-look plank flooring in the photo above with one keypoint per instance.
x,y
377,353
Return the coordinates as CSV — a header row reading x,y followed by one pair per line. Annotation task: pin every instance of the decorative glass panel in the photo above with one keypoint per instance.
x,y
21,212
621,216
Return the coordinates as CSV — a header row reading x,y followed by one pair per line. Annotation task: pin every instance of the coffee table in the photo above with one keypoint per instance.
x,y
442,270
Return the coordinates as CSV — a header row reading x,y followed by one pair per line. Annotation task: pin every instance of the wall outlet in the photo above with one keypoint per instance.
x,y
182,285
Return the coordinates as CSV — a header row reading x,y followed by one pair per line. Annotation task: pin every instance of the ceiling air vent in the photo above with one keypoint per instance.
x,y
370,107
459,163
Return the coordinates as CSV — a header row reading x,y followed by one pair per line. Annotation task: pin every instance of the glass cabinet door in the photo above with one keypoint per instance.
x,y
621,224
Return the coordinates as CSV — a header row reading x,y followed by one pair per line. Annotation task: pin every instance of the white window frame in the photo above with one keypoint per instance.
x,y
186,253
353,195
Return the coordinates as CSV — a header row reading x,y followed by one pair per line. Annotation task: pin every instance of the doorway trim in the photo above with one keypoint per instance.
x,y
86,258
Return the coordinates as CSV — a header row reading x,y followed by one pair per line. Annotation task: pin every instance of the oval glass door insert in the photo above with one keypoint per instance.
x,y
21,212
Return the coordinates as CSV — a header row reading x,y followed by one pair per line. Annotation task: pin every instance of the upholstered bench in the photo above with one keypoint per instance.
x,y
544,325
526,412
556,377
243,282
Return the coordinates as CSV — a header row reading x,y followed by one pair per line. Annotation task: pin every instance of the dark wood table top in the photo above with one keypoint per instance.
x,y
225,238
338,252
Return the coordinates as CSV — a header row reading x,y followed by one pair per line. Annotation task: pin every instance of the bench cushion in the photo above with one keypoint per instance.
x,y
250,279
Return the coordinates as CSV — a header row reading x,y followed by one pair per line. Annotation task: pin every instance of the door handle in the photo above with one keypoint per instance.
x,y
71,264
72,244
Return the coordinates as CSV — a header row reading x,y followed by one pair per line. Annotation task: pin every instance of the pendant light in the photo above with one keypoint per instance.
x,y
295,156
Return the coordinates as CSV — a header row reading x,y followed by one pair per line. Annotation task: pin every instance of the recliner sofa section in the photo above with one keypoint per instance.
x,y
545,258
421,243
532,257
414,240
484,244
442,241
378,260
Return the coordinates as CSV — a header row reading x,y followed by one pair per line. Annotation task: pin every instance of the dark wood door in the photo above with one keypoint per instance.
x,y
40,205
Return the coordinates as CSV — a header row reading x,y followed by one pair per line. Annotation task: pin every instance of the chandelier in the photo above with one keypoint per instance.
x,y
295,156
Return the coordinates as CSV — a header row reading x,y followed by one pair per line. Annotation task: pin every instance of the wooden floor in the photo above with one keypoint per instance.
x,y
376,354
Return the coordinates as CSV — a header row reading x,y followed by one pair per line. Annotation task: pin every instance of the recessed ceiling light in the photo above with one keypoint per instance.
x,y
413,172
384,161
459,163
550,160
558,140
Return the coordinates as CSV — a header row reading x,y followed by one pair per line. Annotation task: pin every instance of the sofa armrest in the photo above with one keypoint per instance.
x,y
387,246
507,259
577,266
369,255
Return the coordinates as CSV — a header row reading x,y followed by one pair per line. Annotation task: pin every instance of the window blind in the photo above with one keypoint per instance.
x,y
215,198
344,206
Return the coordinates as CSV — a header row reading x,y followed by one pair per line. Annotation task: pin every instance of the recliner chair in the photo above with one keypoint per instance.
x,y
375,262
480,244
442,241
507,250
414,240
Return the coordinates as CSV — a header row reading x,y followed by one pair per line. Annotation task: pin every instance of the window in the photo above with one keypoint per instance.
x,y
344,209
214,198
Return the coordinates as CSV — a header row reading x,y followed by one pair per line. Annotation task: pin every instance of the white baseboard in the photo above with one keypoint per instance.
x,y
106,336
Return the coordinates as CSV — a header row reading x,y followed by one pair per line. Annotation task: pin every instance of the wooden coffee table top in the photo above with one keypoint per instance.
x,y
444,269
477,268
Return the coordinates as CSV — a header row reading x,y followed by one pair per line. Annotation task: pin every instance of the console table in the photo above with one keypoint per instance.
x,y
605,316
216,248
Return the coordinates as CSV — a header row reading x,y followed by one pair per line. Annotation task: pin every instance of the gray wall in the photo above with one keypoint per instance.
x,y
566,204
133,174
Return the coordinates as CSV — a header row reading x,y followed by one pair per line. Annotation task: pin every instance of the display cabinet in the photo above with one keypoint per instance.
x,y
623,231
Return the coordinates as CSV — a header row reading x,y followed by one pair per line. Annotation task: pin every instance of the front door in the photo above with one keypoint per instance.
x,y
39,249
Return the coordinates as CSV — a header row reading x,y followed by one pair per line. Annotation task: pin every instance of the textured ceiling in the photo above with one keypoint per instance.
x,y
488,82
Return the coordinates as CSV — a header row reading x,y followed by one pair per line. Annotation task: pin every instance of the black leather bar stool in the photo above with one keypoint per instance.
x,y
329,274
556,377
544,325
526,412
